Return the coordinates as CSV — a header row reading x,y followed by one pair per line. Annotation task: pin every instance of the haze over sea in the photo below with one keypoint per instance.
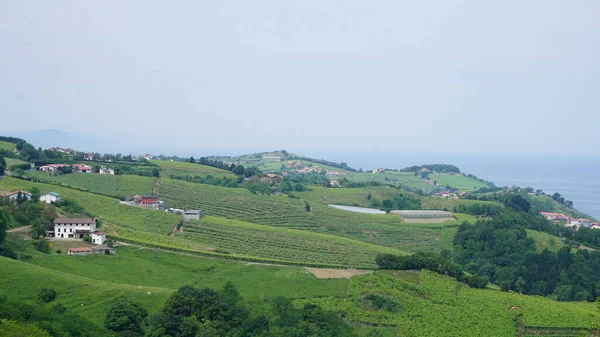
x,y
576,178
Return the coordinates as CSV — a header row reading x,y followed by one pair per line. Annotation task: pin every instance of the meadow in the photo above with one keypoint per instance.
x,y
458,181
7,146
545,241
11,161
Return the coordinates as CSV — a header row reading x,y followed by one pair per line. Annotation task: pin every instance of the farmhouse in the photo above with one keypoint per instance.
x,y
379,170
16,195
334,183
82,168
51,167
145,201
193,214
76,228
88,156
270,177
50,197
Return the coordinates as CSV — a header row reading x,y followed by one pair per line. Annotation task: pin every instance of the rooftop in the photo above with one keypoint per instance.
x,y
75,220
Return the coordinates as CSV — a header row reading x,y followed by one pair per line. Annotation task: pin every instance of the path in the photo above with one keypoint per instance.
x,y
19,229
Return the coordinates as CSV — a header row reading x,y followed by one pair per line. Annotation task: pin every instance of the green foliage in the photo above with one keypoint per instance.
x,y
2,166
385,303
126,317
9,328
47,295
42,246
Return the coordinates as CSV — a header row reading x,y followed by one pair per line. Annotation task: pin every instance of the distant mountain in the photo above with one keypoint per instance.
x,y
55,138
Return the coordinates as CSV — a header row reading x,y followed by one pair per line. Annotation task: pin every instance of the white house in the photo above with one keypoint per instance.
x,y
82,168
50,167
98,237
15,195
106,170
50,197
66,228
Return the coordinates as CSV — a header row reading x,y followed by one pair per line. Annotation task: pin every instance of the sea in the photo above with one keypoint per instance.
x,y
576,178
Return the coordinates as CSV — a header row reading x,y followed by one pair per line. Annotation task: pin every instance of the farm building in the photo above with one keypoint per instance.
x,y
82,168
98,237
106,170
50,167
79,251
50,197
422,214
104,250
66,228
193,214
270,177
16,195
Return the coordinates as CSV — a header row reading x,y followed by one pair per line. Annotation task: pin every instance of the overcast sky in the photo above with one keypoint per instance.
x,y
462,76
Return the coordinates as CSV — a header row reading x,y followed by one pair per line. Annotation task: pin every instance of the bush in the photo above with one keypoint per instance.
x,y
58,251
43,246
47,295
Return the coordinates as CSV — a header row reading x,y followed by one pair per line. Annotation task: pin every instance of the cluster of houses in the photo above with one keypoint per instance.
x,y
25,195
449,194
569,221
80,168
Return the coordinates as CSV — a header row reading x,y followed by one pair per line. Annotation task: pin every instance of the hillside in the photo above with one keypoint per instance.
x,y
7,146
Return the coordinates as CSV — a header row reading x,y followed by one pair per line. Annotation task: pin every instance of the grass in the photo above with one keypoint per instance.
x,y
457,181
11,161
119,186
7,146
440,306
105,208
407,179
545,241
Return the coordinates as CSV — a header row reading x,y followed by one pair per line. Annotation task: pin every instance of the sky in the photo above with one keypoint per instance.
x,y
440,76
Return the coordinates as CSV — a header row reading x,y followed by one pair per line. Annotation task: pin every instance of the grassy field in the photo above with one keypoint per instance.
x,y
187,169
10,162
7,146
458,181
348,196
119,186
440,306
545,241
105,208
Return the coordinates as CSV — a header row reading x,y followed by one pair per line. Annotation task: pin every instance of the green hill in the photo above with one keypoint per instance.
x,y
7,146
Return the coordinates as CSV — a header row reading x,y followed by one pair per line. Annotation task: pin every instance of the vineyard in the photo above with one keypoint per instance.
x,y
440,306
241,238
187,169
119,186
105,208
282,211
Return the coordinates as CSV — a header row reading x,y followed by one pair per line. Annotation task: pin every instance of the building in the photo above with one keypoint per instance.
x,y
50,167
334,173
270,177
271,157
76,228
80,251
193,214
50,197
88,156
423,214
82,168
106,170
98,237
584,222
379,170
145,199
15,195
104,250
334,183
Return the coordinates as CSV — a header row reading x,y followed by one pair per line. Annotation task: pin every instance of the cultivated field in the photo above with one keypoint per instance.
x,y
440,306
119,186
187,169
458,181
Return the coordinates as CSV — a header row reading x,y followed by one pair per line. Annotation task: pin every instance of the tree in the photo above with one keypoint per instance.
x,y
87,238
3,224
239,170
126,317
192,160
47,295
43,246
2,166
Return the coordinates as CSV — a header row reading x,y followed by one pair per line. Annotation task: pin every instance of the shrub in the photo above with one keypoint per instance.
x,y
47,295
43,246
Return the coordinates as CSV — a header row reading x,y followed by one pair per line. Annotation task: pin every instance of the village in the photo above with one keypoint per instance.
x,y
569,221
